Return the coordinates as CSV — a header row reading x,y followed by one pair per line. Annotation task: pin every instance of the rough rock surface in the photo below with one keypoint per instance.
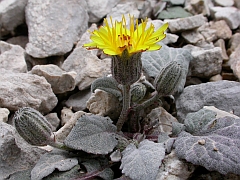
x,y
54,120
20,89
15,153
234,62
54,26
12,13
78,101
12,58
4,112
60,81
224,95
206,62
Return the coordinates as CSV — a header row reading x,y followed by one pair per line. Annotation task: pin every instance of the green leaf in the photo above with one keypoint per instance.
x,y
143,162
154,61
108,84
60,160
92,134
214,145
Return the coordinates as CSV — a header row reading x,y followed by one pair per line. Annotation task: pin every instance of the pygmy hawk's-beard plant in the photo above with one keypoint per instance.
x,y
125,46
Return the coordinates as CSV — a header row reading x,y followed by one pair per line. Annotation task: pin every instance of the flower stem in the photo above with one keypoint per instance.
x,y
125,108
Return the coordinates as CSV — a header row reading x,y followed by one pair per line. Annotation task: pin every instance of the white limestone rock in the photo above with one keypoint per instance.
x,y
234,62
54,26
225,3
60,80
98,9
12,58
12,14
174,168
188,23
230,14
4,112
222,29
104,104
54,120
26,90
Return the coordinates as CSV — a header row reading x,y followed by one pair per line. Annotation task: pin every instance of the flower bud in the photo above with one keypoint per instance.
x,y
33,127
126,68
168,79
138,91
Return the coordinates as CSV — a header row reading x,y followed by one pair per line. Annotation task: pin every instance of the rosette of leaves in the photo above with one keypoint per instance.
x,y
210,142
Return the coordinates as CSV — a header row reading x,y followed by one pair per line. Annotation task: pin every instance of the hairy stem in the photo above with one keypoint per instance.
x,y
125,108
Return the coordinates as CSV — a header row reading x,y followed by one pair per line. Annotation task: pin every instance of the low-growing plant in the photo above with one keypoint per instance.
x,y
96,145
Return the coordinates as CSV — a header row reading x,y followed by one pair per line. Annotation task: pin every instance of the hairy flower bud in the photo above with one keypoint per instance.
x,y
33,127
126,68
168,79
138,91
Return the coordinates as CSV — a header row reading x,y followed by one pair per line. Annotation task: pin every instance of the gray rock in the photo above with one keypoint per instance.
x,y
222,29
224,95
224,3
12,13
12,58
206,62
174,12
176,2
233,42
221,43
125,9
217,77
145,8
54,26
188,23
104,104
60,80
16,154
230,14
207,32
174,169
78,101
98,9
20,90
4,112
234,62
198,6
54,120
87,66
192,36
18,40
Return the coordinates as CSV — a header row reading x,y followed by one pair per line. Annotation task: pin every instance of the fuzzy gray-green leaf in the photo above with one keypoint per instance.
x,y
154,61
92,134
143,162
60,160
108,84
216,145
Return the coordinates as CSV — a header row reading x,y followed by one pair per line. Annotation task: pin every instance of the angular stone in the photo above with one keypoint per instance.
x,y
224,95
221,43
234,62
20,90
198,6
233,42
54,26
16,154
104,104
54,120
192,36
18,40
4,112
206,62
175,169
78,101
207,32
125,9
188,23
225,3
222,29
217,77
12,13
173,13
12,58
177,2
98,9
87,66
220,113
230,14
60,80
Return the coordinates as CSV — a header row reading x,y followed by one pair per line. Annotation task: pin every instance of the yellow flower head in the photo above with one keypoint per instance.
x,y
113,39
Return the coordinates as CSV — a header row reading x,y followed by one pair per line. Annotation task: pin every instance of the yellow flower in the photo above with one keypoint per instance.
x,y
115,37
